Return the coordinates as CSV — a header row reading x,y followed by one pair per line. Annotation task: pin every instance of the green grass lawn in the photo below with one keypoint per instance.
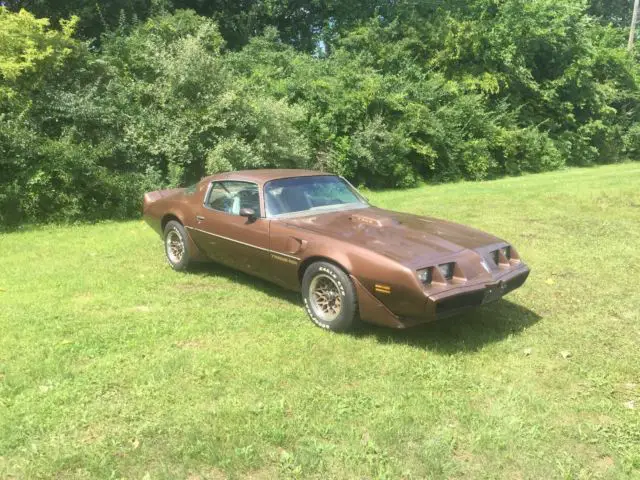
x,y
112,365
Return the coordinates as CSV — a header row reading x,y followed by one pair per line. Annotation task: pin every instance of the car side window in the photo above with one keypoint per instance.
x,y
231,197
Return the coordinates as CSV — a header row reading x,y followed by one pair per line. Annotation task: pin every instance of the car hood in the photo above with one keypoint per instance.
x,y
409,239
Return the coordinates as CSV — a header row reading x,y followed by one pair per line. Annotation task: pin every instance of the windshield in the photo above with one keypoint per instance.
x,y
310,194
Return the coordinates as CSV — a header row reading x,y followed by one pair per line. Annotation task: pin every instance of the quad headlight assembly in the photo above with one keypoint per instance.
x,y
437,274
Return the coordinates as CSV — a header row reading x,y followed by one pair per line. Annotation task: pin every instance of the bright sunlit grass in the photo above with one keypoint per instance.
x,y
112,365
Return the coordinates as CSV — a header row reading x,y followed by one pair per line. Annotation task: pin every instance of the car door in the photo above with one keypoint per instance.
x,y
227,237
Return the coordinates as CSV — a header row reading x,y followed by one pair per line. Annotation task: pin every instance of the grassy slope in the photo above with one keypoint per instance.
x,y
113,365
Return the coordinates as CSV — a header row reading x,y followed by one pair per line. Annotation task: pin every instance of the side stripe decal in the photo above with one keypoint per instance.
x,y
272,252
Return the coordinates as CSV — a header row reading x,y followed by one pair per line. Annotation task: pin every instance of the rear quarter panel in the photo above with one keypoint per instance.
x,y
178,202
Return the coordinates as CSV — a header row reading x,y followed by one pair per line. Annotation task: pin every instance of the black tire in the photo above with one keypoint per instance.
x,y
346,316
172,231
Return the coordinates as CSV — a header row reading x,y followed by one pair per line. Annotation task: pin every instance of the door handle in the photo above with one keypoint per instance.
x,y
199,218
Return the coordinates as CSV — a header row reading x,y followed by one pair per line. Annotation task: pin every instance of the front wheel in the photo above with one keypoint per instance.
x,y
329,297
176,246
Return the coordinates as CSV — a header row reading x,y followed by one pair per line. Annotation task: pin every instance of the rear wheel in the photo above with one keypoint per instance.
x,y
329,297
176,246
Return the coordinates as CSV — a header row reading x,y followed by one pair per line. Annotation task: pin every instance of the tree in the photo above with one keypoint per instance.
x,y
387,93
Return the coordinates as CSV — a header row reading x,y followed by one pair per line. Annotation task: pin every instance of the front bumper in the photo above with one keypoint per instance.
x,y
453,302
445,303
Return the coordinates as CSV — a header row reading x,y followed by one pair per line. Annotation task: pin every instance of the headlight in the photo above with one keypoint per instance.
x,y
498,255
425,276
446,269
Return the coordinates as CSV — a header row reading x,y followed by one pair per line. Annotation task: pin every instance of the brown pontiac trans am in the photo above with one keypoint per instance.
x,y
313,232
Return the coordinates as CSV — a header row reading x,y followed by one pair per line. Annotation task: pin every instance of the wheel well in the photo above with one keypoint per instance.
x,y
310,260
167,218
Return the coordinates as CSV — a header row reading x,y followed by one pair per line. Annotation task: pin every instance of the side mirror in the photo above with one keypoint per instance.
x,y
250,213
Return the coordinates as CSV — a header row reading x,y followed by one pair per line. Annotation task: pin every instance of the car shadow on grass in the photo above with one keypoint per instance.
x,y
467,332
207,269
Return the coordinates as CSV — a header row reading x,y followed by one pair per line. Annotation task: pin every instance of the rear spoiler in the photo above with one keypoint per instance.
x,y
151,197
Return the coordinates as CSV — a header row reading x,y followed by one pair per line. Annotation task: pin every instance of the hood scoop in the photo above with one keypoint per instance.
x,y
373,221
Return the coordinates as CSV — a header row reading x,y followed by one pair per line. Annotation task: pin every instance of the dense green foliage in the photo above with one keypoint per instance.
x,y
146,95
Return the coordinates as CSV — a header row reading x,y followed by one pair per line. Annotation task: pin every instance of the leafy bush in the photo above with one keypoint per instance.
x,y
393,94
